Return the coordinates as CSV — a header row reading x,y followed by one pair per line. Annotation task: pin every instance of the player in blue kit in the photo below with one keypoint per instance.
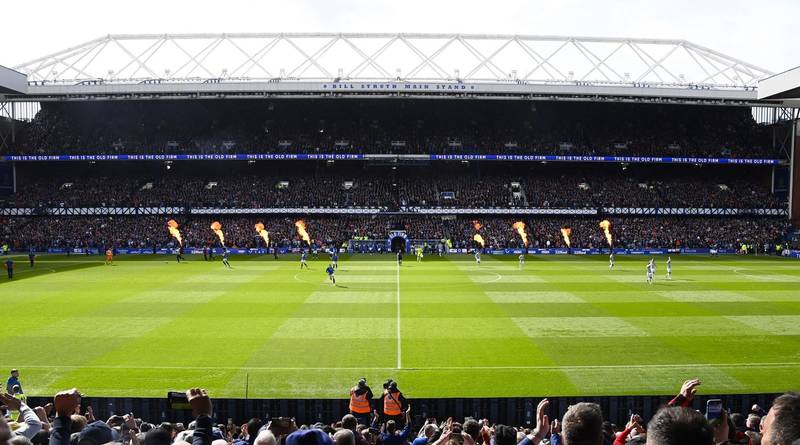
x,y
331,274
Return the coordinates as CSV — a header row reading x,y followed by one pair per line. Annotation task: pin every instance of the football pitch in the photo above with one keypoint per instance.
x,y
445,327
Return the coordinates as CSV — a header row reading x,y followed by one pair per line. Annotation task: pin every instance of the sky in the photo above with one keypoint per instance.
x,y
763,33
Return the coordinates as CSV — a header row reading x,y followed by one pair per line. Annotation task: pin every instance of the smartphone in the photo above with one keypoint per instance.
x,y
177,401
713,409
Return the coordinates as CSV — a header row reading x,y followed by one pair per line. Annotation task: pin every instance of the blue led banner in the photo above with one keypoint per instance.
x,y
628,159
432,157
186,157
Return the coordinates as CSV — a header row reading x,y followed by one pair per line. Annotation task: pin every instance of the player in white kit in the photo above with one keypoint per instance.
x,y
669,268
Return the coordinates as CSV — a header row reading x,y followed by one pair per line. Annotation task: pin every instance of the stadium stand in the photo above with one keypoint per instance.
x,y
359,184
374,126
150,231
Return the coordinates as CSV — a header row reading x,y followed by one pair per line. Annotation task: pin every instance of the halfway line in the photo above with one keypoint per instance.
x,y
399,350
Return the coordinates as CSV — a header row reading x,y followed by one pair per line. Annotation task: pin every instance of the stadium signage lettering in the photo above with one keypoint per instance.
x,y
399,86
353,156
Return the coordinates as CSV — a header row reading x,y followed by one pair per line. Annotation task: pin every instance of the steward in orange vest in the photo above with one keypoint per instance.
x,y
361,402
393,402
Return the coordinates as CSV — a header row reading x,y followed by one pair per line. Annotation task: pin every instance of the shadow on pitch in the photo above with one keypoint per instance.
x,y
25,272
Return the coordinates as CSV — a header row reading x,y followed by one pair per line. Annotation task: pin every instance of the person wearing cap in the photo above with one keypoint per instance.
x,y
361,401
309,437
96,433
393,403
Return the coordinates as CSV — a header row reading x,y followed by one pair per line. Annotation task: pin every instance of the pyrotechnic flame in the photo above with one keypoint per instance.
x,y
606,226
217,228
519,226
172,226
479,239
264,234
301,230
566,232
477,225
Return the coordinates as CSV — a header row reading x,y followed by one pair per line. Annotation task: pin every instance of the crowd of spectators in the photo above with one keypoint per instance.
x,y
399,127
405,192
545,232
68,421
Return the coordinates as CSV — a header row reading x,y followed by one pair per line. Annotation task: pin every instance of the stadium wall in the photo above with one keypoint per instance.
x,y
513,411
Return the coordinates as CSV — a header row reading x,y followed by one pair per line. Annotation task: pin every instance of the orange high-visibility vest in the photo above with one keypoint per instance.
x,y
359,403
391,403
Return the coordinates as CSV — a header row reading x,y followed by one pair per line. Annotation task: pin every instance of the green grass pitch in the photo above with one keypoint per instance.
x,y
565,325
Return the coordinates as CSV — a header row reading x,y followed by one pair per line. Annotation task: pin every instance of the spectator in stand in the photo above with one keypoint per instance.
x,y
426,433
30,425
389,433
265,438
582,425
350,422
344,437
679,425
781,426
753,431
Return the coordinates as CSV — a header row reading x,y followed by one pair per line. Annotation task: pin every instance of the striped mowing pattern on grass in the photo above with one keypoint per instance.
x,y
564,325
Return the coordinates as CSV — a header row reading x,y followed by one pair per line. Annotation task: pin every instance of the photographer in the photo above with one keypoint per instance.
x,y
393,403
361,402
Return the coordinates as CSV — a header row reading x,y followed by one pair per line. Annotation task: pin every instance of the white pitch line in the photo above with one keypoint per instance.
x,y
434,368
399,341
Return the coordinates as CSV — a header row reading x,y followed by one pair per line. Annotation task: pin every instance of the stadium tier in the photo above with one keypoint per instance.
x,y
394,127
393,190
